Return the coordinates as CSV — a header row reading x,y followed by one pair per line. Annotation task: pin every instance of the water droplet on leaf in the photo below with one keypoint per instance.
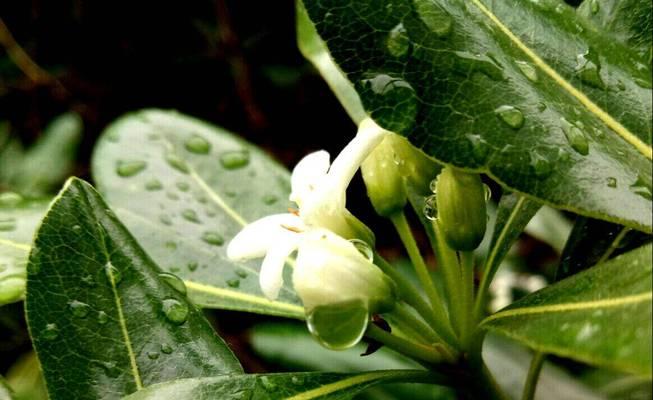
x,y
270,199
198,145
541,165
51,332
510,115
173,281
102,318
79,309
642,187
480,148
166,348
233,283
183,186
588,69
113,274
435,18
234,159
165,219
612,182
528,70
153,184
7,224
338,326
152,355
176,162
576,138
175,311
431,208
129,168
213,238
398,43
392,100
190,215
363,248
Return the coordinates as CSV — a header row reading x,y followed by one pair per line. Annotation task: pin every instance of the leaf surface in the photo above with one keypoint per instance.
x,y
600,316
103,321
523,91
184,188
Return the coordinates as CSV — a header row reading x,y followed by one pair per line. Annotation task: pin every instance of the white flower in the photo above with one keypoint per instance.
x,y
319,190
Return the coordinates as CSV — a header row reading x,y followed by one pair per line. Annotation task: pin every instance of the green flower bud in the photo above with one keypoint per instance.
x,y
383,178
461,208
416,167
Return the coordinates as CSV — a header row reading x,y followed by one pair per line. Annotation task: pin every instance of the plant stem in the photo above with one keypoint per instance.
x,y
439,311
451,272
403,346
533,375
411,296
467,291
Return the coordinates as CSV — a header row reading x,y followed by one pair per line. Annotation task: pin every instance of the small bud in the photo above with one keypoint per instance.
x,y
383,178
416,167
461,208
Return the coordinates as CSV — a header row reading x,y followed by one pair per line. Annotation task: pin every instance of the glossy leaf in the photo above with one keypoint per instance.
x,y
601,316
19,219
184,188
289,386
103,322
523,91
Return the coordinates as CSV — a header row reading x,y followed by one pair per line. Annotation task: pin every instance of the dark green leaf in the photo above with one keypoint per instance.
x,y
184,188
103,322
519,90
289,386
19,219
601,316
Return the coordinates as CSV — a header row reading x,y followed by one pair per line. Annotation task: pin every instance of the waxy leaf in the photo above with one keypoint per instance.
x,y
601,316
289,386
19,219
521,90
184,188
104,321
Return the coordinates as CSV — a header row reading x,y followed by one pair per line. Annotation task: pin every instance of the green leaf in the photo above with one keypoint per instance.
x,y
601,316
19,219
103,321
519,90
49,161
628,21
184,188
288,386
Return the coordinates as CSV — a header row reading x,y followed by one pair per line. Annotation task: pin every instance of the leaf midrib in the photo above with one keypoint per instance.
x,y
592,107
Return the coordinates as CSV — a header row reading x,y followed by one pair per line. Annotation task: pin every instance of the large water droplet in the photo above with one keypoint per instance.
x,y
175,311
7,224
588,69
480,149
398,43
642,187
153,355
213,238
79,309
541,165
102,318
612,182
435,18
113,274
176,162
174,281
51,332
468,63
129,168
363,248
190,215
338,326
392,100
153,184
198,145
234,159
166,348
431,208
576,138
528,70
510,115
10,199
233,283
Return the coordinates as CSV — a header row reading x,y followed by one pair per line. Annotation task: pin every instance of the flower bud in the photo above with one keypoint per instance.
x,y
383,178
461,208
416,167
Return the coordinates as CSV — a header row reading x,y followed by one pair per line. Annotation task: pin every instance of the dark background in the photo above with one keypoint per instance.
x,y
234,63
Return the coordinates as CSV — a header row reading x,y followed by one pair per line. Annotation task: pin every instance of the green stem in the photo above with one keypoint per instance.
x,y
533,375
467,292
410,295
406,235
451,272
403,346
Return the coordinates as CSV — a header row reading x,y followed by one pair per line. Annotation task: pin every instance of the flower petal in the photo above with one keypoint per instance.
x,y
307,174
257,238
271,275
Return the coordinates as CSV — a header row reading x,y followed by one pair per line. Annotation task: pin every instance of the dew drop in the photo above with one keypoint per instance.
x,y
234,159
267,383
435,18
183,186
643,83
541,165
338,326
510,115
51,332
433,186
576,138
173,281
176,162
113,274
430,208
480,148
10,199
102,318
468,63
541,106
612,182
175,311
7,224
190,215
192,266
88,280
77,228
153,355
198,145
270,199
588,69
166,348
241,274
153,185
487,192
129,168
170,245
79,309
172,196
233,283
393,101
642,187
398,43
528,70
165,219
213,238
363,248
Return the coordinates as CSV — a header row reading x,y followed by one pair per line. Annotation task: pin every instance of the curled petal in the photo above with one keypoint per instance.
x,y
307,174
257,238
271,276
